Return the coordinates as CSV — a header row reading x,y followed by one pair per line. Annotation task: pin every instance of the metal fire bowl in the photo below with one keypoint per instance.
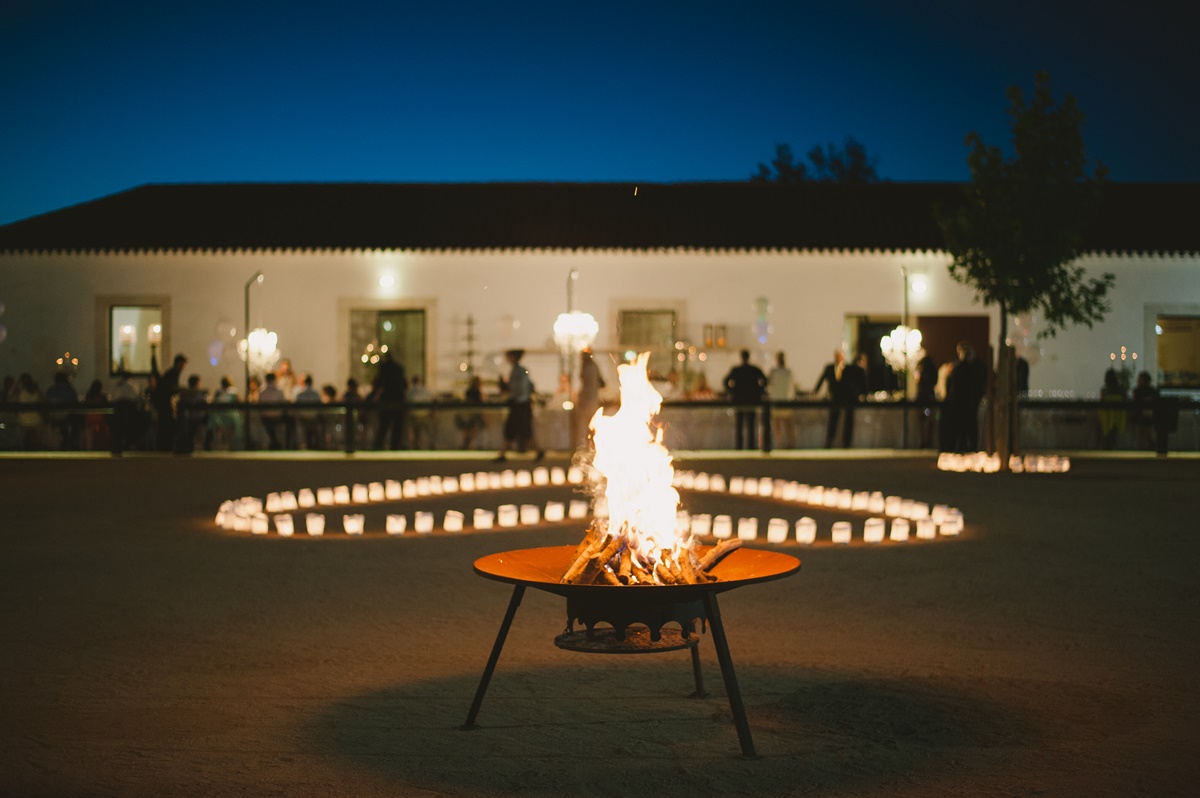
x,y
625,605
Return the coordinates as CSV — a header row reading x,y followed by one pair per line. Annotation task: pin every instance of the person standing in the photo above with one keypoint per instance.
x,y
845,383
390,391
965,387
590,383
165,389
782,388
273,419
744,385
309,420
518,427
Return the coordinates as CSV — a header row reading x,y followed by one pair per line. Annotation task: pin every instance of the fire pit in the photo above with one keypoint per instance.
x,y
636,616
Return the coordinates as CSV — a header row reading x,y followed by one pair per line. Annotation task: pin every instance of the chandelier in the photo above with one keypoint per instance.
x,y
263,350
902,348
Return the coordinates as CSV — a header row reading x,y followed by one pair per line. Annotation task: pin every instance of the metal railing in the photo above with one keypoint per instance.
x,y
695,425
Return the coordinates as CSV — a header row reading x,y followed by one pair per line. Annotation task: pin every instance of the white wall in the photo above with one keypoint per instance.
x,y
515,296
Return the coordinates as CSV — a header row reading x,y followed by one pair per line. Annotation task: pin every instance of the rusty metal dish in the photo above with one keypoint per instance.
x,y
542,568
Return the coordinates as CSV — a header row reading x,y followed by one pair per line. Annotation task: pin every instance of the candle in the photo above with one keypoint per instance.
x,y
423,522
554,512
453,522
353,524
777,530
482,519
747,528
396,524
701,525
899,529
873,529
314,523
284,525
306,498
841,532
722,526
507,515
392,490
531,514
806,530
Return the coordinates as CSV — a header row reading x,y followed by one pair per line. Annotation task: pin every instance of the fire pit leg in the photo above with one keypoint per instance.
x,y
513,603
699,674
731,685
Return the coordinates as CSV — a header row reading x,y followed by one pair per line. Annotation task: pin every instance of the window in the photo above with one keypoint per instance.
x,y
135,336
1178,351
650,331
375,332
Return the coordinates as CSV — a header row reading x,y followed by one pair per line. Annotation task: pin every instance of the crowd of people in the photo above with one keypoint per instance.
x,y
285,410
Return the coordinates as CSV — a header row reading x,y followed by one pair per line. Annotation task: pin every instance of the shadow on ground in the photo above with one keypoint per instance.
x,y
628,729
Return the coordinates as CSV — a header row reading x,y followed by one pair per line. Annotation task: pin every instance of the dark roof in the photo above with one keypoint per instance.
x,y
719,215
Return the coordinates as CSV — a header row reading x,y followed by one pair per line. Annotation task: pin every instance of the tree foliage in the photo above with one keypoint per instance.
x,y
831,164
1017,237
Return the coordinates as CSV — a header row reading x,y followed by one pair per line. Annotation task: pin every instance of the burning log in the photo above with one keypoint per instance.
x,y
719,552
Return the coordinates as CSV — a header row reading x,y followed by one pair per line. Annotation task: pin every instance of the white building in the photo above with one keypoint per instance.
x,y
449,276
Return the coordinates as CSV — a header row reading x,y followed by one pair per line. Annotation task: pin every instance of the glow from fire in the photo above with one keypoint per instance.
x,y
636,467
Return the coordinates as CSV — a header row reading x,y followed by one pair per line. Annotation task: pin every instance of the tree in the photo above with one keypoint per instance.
x,y
1017,236
849,164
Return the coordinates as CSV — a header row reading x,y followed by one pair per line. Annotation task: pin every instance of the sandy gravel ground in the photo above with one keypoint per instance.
x,y
1051,650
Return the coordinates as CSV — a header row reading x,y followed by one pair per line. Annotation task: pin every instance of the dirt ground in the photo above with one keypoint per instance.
x,y
1050,650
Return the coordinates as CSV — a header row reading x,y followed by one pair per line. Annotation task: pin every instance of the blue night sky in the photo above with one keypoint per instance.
x,y
99,96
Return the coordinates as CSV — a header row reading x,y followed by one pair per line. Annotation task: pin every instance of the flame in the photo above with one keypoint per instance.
x,y
637,469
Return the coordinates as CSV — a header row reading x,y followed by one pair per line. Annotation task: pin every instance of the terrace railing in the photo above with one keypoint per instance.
x,y
688,425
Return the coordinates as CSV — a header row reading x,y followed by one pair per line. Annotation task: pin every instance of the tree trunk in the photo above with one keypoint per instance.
x,y
1005,395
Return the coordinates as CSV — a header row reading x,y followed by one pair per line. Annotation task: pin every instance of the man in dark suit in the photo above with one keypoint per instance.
x,y
846,383
745,385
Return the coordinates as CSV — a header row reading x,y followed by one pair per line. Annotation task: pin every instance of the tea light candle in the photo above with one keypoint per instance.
x,y
453,522
832,497
873,529
687,479
952,524
577,509
845,500
860,500
272,502
554,512
482,519
435,485
749,486
314,524
466,483
284,525
926,529
507,515
259,525
396,524
241,522
392,491
449,484
766,486
523,479
938,513
574,475
716,484
423,522
423,488
722,526
325,496
224,513
541,476
494,481
891,505
410,489
816,495
747,528
701,525
899,529
359,494
531,514
841,531
906,508
919,510
558,476
306,498
806,530
801,493
777,530
251,504
789,491
341,494
353,524
683,523
736,484
287,500
701,481
508,478
876,503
